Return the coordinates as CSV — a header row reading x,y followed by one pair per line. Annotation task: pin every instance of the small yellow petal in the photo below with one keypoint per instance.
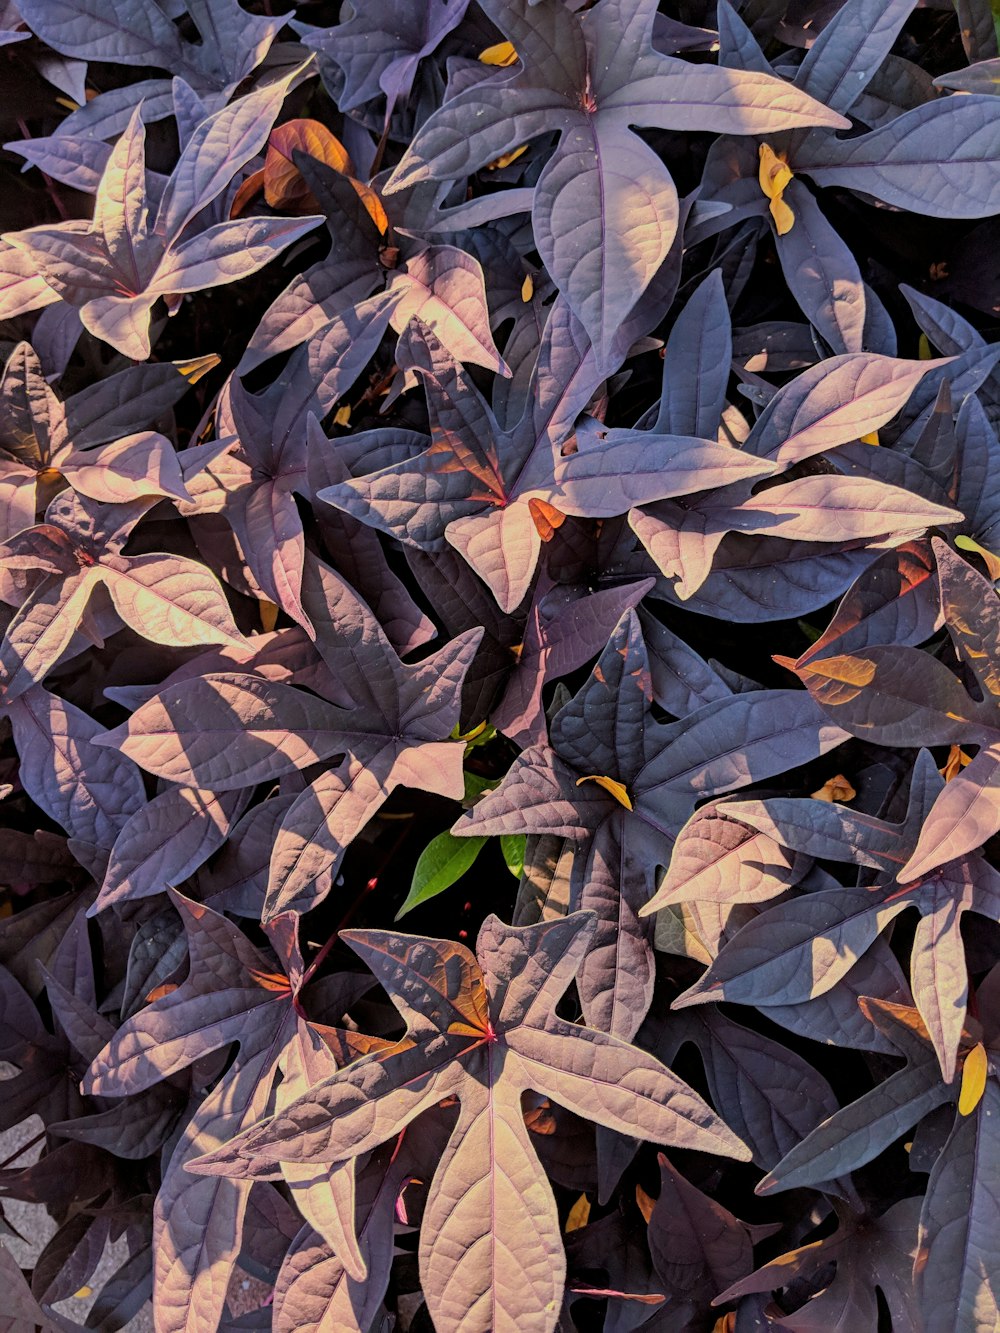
x,y
527,289
82,1294
784,218
871,438
774,172
505,159
198,366
342,415
268,616
617,789
502,53
974,1073
773,175
578,1214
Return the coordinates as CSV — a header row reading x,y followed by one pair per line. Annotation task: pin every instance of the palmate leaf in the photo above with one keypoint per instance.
x,y
115,270
232,41
591,80
490,1256
165,842
228,731
169,599
905,160
94,439
621,786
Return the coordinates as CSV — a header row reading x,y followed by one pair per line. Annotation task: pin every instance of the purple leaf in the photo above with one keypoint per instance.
x,y
90,791
938,160
489,1154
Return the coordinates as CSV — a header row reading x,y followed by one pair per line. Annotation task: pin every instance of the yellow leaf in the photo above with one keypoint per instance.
x,y
991,561
835,789
617,789
924,351
505,159
872,438
342,415
68,103
974,1073
784,218
502,53
774,174
527,289
197,367
268,616
579,1214
645,1203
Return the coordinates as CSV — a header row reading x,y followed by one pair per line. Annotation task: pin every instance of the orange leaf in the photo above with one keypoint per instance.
x,y
546,518
956,761
645,1203
579,1214
835,789
158,992
247,192
284,185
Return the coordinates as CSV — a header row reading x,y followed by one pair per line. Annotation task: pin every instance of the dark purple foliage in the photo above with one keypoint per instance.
x,y
529,467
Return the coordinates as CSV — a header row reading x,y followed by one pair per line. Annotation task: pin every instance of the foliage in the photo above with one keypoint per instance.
x,y
528,467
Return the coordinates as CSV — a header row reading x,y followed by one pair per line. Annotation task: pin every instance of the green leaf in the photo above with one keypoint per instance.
x,y
475,786
512,847
444,860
